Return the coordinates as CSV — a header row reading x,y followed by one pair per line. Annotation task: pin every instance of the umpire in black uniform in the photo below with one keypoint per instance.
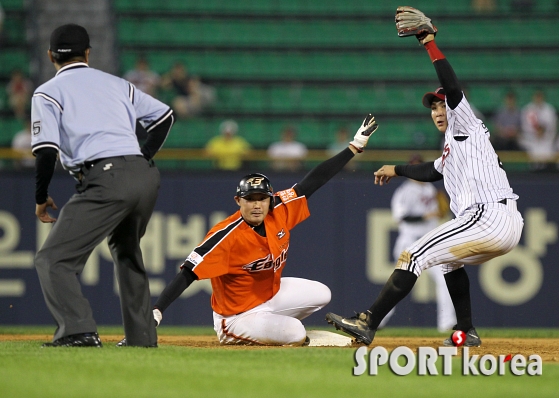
x,y
88,118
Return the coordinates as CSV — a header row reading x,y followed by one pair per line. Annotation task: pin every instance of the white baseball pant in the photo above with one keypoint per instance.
x,y
278,320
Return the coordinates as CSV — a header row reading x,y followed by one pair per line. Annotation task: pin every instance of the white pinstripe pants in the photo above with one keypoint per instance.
x,y
483,232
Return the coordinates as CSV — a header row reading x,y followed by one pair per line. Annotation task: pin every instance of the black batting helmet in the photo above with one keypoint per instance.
x,y
254,183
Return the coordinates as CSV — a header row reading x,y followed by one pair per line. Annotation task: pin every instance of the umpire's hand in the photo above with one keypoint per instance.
x,y
41,211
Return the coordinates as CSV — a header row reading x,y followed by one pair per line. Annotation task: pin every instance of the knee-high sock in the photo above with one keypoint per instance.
x,y
458,285
396,288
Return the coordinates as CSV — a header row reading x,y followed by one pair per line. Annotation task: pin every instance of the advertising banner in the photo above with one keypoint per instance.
x,y
346,244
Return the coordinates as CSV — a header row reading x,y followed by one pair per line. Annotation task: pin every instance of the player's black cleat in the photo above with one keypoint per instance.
x,y
355,326
77,340
472,339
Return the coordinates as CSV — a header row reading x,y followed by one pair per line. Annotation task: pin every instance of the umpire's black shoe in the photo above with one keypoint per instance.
x,y
77,340
472,339
122,343
355,326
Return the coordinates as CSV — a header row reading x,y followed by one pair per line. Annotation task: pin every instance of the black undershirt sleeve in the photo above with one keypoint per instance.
x,y
157,136
45,162
425,172
174,289
322,173
449,82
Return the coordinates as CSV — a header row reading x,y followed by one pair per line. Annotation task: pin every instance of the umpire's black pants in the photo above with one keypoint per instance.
x,y
116,200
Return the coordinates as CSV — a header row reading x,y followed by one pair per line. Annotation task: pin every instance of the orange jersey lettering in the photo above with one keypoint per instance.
x,y
244,267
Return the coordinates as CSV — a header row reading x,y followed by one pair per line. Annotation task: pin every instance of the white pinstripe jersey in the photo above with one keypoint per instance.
x,y
470,167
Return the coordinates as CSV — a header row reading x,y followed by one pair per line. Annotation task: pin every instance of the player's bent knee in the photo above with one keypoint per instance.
x,y
296,335
322,294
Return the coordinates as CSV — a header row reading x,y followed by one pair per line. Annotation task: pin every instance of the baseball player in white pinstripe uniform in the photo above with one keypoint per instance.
x,y
415,206
487,222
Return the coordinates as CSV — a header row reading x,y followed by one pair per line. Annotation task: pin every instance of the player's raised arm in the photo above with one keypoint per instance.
x,y
412,22
322,173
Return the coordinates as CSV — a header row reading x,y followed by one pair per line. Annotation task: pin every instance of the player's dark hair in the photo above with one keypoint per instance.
x,y
62,58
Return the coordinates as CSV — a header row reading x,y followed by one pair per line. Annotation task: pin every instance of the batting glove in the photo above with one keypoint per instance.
x,y
158,316
367,129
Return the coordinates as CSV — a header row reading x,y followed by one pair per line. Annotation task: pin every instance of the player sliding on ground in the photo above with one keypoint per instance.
x,y
487,223
245,254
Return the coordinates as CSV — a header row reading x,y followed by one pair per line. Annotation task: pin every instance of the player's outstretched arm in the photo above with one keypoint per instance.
x,y
412,22
322,173
425,172
172,291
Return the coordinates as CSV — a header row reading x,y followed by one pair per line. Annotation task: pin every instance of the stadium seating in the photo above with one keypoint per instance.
x,y
315,133
319,67
296,33
321,64
329,66
14,54
316,7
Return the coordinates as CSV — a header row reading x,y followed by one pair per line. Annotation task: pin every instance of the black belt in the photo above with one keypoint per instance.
x,y
90,163
502,201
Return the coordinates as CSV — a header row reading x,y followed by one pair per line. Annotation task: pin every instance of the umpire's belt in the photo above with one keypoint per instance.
x,y
90,163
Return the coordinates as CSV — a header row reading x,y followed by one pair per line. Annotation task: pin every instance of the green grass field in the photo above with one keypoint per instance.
x,y
174,371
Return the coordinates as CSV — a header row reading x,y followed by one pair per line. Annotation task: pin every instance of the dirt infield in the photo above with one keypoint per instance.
x,y
548,349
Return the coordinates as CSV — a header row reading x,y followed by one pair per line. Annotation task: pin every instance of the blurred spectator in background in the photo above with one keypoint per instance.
x,y
143,77
287,154
341,139
508,124
21,144
19,91
482,6
228,149
539,131
190,94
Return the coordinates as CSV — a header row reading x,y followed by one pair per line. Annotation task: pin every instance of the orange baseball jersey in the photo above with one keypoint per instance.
x,y
244,267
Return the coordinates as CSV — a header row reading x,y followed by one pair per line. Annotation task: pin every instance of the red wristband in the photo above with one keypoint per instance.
x,y
434,53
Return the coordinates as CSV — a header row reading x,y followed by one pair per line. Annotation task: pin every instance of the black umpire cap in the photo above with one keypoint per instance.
x,y
70,38
428,98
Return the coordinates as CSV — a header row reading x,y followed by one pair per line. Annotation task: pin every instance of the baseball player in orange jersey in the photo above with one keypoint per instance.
x,y
245,254
487,223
